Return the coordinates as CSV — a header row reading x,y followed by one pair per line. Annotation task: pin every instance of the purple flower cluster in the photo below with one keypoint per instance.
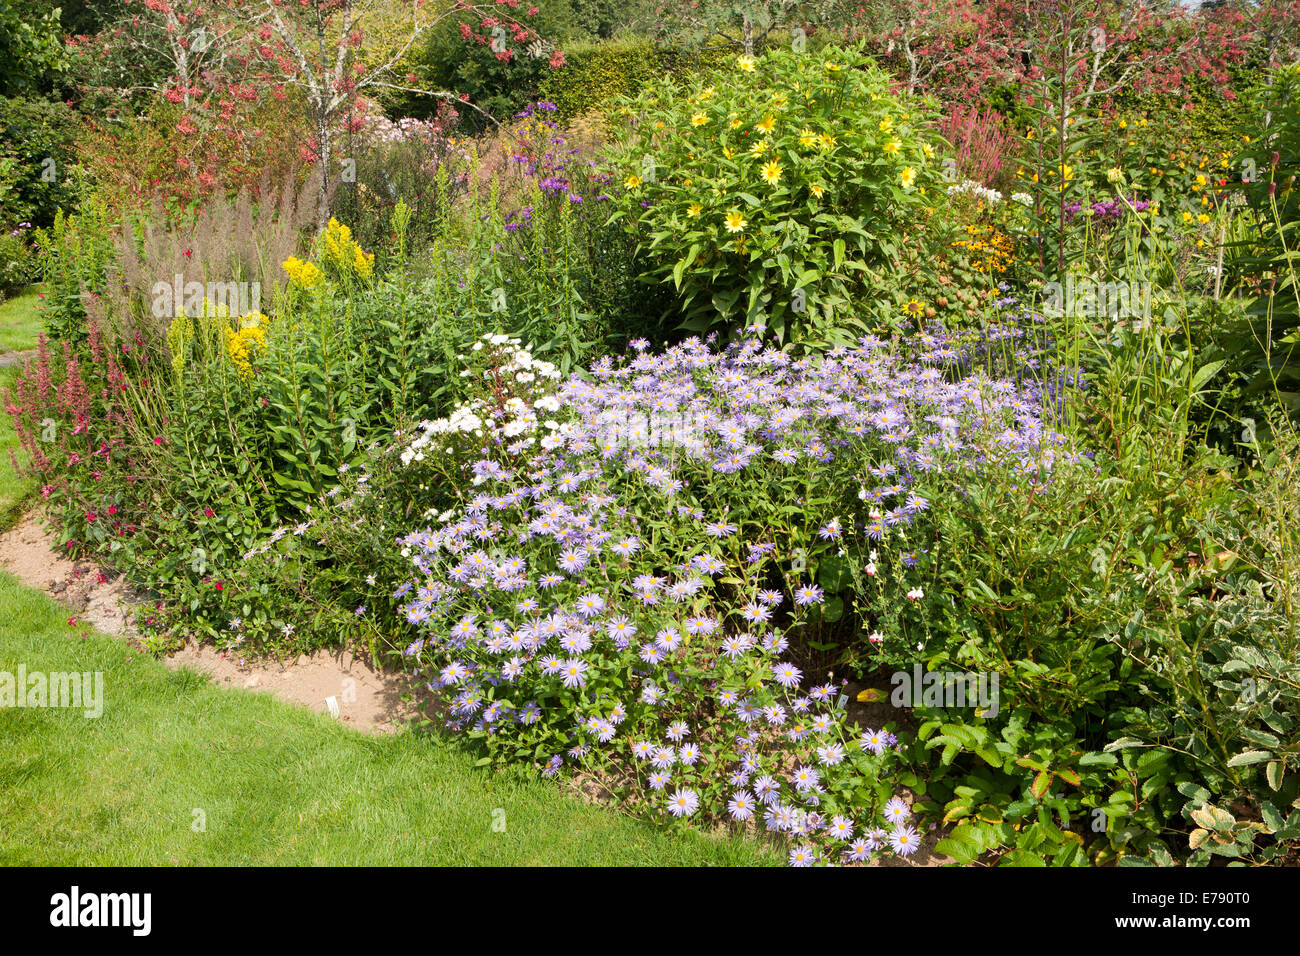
x,y
1107,209
604,599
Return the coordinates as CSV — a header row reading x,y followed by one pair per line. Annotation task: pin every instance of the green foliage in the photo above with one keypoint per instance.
x,y
778,193
74,254
31,50
18,267
595,76
36,160
1269,261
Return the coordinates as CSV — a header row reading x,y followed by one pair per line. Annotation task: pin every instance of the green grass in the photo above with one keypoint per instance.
x,y
20,323
277,784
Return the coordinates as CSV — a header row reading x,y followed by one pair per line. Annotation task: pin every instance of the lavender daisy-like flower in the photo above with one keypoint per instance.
x,y
741,805
574,672
589,605
904,840
831,531
574,560
683,803
787,675
802,856
808,594
858,851
897,810
873,741
700,625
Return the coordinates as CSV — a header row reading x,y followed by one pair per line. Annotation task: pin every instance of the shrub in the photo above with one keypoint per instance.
x,y
779,193
37,156
18,267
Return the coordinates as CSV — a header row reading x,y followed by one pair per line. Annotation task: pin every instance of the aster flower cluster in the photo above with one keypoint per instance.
x,y
622,596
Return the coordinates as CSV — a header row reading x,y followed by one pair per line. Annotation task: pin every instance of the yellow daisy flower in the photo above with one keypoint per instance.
x,y
735,222
771,172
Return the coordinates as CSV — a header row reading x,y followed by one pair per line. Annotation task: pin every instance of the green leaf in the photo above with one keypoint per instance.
x,y
1250,757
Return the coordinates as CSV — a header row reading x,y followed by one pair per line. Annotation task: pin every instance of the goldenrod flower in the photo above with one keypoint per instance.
x,y
302,275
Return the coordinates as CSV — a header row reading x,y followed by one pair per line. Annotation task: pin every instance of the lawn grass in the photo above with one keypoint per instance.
x,y
276,784
20,323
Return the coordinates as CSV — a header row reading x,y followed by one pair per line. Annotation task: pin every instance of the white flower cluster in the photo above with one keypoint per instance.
x,y
1023,198
516,421
975,189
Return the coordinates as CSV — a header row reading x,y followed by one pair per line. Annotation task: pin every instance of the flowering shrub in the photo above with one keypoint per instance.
x,y
643,589
778,191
